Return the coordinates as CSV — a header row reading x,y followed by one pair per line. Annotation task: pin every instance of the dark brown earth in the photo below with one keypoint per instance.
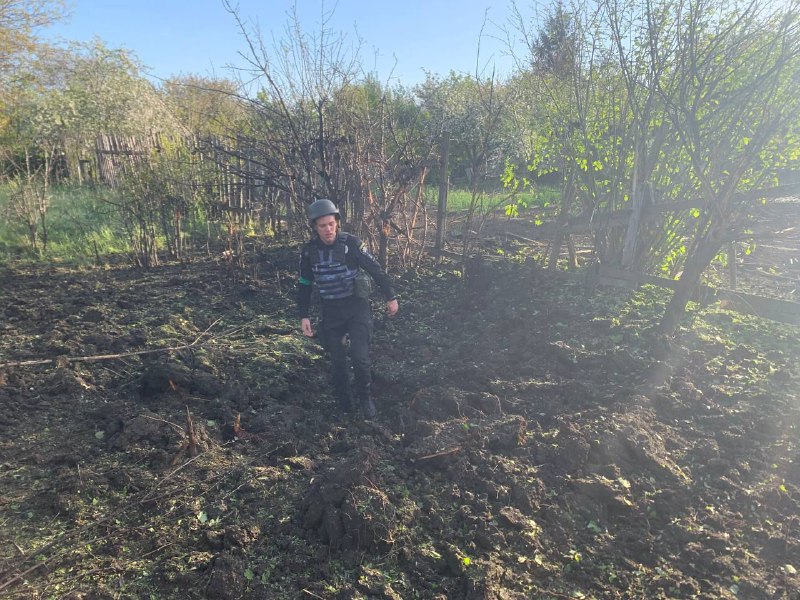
x,y
533,442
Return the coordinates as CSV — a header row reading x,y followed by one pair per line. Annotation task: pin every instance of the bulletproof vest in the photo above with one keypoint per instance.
x,y
334,279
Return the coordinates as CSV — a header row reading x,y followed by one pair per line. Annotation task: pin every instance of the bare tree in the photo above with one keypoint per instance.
x,y
292,87
29,198
324,129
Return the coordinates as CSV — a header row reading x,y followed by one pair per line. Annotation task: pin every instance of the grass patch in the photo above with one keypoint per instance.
x,y
81,225
461,199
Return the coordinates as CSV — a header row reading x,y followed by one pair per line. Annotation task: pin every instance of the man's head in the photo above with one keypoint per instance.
x,y
323,216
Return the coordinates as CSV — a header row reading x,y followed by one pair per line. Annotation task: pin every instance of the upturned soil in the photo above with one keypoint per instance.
x,y
533,441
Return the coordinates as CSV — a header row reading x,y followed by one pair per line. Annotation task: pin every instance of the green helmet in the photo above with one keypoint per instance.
x,y
321,208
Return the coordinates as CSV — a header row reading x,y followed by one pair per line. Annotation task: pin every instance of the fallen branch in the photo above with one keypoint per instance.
x,y
441,454
19,576
520,238
65,360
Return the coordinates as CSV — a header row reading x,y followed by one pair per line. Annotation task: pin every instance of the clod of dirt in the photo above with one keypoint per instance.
x,y
598,490
64,380
160,377
144,431
507,434
227,577
163,377
347,511
93,315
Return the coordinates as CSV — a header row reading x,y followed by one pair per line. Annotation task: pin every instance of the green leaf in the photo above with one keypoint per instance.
x,y
202,516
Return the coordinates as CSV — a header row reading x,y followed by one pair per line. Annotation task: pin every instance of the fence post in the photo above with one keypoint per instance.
x,y
441,214
632,232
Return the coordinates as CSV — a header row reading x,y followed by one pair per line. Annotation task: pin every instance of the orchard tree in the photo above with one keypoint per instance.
x,y
292,85
206,106
323,128
690,104
72,95
730,96
105,93
575,110
20,22
31,145
473,112
20,49
387,145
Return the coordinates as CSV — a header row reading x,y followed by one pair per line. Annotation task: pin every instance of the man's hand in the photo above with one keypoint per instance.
x,y
305,325
391,308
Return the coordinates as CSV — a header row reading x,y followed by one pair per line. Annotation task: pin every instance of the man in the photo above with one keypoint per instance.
x,y
335,262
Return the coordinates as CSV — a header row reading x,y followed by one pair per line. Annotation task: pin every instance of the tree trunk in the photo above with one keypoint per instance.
x,y
561,223
696,264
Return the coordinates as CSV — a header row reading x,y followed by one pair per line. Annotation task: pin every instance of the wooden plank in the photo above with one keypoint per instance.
x,y
768,308
613,273
774,309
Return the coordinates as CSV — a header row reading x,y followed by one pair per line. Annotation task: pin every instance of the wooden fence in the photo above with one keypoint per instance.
x,y
236,181
240,188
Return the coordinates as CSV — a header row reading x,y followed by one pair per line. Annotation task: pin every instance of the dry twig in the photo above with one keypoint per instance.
x,y
65,360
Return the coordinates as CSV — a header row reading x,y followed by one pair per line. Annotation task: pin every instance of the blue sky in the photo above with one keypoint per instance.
x,y
200,37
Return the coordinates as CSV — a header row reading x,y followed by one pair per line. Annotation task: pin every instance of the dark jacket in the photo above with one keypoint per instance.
x,y
333,269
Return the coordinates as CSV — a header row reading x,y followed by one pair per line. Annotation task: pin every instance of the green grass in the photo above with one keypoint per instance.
x,y
460,199
80,223
83,225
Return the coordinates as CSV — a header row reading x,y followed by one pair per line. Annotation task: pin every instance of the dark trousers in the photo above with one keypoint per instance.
x,y
347,327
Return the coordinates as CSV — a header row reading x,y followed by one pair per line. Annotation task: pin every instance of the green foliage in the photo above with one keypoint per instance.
x,y
157,198
20,21
206,106
635,113
82,227
536,197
